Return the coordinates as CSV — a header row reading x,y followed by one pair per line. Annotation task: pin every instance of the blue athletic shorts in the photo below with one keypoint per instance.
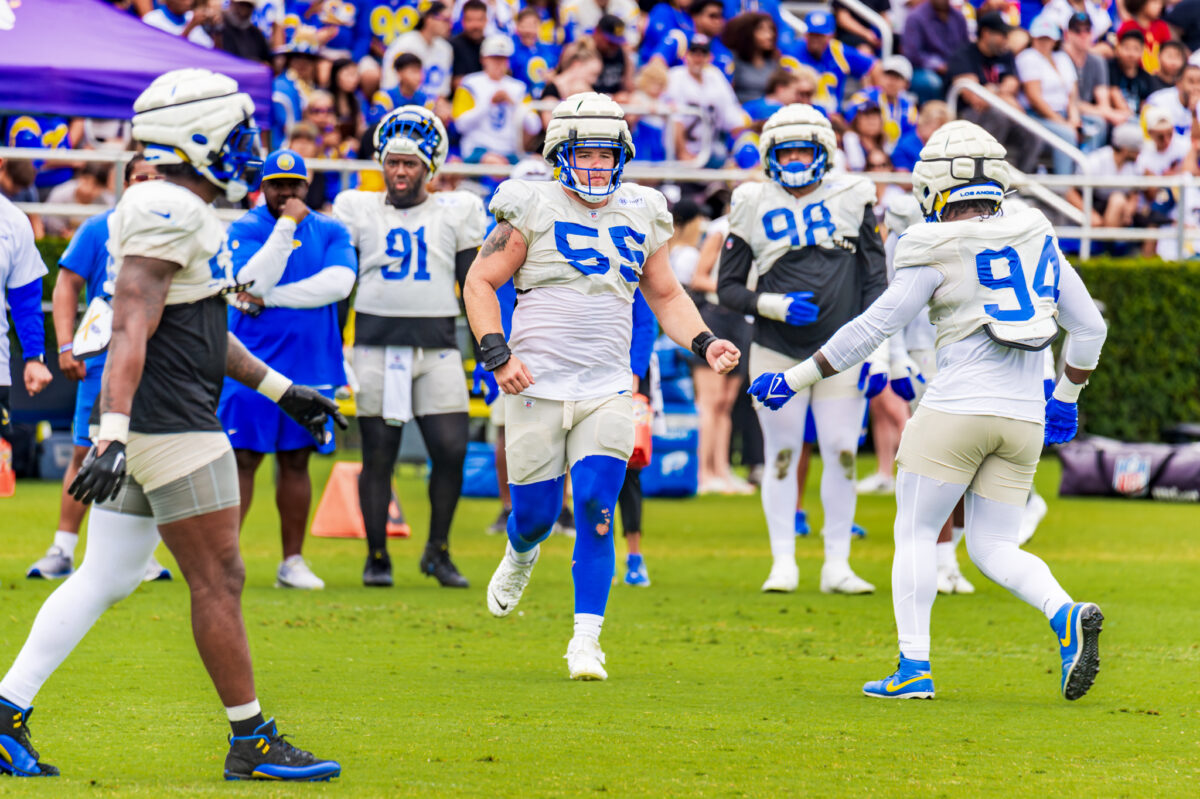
x,y
255,423
85,400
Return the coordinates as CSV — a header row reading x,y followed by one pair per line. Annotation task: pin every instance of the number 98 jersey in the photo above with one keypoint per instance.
x,y
1000,274
406,255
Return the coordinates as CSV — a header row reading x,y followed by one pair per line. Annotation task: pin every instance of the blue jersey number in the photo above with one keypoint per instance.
x,y
400,246
591,261
1043,285
1015,280
780,223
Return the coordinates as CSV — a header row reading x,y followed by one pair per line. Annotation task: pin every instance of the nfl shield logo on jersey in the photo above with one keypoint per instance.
x,y
1131,475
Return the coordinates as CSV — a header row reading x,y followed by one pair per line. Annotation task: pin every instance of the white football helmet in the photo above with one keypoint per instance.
x,y
589,120
198,117
961,161
797,126
531,169
413,130
902,213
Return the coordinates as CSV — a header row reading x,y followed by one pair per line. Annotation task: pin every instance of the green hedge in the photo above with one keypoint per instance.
x,y
1149,375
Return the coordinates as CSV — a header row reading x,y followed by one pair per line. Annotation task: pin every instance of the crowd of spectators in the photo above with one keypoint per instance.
x,y
699,79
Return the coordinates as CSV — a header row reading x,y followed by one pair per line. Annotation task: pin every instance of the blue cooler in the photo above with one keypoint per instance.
x,y
479,471
674,469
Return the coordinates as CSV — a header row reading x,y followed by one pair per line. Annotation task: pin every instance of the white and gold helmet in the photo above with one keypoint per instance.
x,y
961,161
413,130
198,117
590,120
797,126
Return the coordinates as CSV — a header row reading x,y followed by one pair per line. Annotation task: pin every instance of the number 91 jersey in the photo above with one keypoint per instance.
x,y
591,250
1000,274
406,255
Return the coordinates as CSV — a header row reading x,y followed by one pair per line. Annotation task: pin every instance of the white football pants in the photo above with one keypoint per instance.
x,y
922,507
119,547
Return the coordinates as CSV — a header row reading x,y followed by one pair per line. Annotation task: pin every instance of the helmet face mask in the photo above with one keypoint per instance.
x,y
797,173
412,130
238,165
587,121
579,178
797,127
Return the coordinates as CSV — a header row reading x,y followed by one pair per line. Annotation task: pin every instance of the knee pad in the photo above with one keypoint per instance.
x,y
535,507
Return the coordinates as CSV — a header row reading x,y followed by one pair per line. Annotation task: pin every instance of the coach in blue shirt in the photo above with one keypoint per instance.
x,y
833,61
292,324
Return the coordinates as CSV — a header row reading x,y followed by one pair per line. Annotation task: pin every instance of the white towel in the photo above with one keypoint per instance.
x,y
397,384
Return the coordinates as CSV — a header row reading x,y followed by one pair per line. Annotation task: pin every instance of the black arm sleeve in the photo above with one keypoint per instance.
x,y
871,259
736,261
462,264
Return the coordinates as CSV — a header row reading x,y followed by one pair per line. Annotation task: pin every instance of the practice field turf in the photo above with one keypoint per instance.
x,y
715,689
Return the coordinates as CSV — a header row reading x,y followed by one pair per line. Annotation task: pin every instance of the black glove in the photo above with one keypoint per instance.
x,y
311,410
100,477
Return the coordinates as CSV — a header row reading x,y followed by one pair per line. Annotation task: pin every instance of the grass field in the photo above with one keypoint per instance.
x,y
715,689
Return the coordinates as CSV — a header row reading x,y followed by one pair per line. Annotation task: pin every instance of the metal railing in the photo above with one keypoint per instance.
x,y
887,37
1048,188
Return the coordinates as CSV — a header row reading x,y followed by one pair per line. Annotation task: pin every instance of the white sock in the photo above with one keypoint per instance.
x,y
993,528
922,505
66,542
119,547
243,712
523,557
587,625
945,555
783,438
839,423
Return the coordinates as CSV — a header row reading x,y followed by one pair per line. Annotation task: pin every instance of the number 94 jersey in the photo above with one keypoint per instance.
x,y
406,255
1000,274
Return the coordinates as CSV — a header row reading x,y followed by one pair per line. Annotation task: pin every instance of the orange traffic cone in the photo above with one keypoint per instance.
x,y
339,514
8,478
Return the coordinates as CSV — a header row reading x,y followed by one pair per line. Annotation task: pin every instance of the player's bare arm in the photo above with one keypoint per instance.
x,y
678,314
501,256
67,287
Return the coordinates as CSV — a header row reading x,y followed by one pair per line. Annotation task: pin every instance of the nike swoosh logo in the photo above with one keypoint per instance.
x,y
891,686
499,604
1067,641
163,214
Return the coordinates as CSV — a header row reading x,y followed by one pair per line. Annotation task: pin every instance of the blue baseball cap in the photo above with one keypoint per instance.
x,y
284,164
820,22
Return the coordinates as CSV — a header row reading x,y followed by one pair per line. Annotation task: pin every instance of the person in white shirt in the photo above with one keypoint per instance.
x,y
1061,11
1166,150
708,108
1113,207
491,108
580,18
1049,87
427,42
178,18
998,287
1179,101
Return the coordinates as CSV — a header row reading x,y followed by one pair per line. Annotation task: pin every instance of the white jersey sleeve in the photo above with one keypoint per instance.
x,y
165,221
743,210
514,202
473,224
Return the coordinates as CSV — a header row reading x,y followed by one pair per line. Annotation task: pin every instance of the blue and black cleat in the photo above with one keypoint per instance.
x,y
1077,625
912,680
17,755
266,755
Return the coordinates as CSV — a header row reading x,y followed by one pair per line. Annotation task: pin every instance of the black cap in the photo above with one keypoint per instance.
x,y
700,44
612,27
1079,21
993,21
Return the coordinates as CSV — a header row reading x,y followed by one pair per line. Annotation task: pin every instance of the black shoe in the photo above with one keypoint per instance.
x,y
265,755
17,755
436,563
378,571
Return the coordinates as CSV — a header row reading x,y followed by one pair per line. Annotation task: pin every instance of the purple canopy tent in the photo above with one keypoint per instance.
x,y
85,58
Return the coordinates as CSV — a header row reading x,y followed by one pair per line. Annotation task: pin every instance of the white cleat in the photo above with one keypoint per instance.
x,y
951,581
839,578
585,659
509,581
155,571
878,484
1035,511
784,577
295,573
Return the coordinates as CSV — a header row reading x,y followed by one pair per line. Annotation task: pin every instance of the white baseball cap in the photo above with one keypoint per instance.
x,y
1158,118
900,65
1044,26
495,45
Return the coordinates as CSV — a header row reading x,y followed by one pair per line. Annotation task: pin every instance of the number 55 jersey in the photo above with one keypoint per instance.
x,y
573,321
826,242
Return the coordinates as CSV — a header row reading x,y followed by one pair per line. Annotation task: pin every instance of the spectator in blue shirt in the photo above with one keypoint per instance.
x,y
708,19
667,21
891,98
532,59
291,323
783,88
933,115
411,73
933,33
289,92
833,61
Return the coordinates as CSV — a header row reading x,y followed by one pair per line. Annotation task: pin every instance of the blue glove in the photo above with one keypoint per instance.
x,y
901,377
871,382
771,390
746,156
1062,421
1048,387
801,311
490,388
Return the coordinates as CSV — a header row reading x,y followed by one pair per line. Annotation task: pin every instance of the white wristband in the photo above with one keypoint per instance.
x,y
803,375
773,306
1066,391
273,385
113,427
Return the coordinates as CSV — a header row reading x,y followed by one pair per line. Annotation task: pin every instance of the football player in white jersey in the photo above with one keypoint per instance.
x,y
809,244
160,462
576,249
998,287
413,247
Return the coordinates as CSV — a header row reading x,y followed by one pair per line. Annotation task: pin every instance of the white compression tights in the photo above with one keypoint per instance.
x,y
922,507
119,547
839,423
